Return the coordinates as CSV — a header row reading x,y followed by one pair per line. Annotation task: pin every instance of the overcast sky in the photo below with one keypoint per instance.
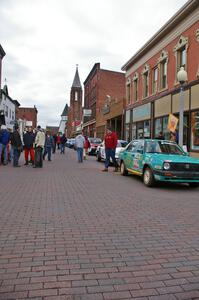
x,y
45,39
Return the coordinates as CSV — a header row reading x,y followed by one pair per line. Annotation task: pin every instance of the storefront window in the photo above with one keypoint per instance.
x,y
127,132
195,130
146,129
140,130
158,126
161,125
133,131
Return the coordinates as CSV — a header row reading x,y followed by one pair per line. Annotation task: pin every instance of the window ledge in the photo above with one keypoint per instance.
x,y
163,90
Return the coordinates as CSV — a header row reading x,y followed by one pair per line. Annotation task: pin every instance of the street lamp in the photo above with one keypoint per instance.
x,y
182,78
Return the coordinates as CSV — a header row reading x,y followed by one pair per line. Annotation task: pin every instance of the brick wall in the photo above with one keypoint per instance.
x,y
27,113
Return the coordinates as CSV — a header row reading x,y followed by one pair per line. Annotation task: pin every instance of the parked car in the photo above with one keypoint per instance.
x,y
70,143
94,143
100,153
159,160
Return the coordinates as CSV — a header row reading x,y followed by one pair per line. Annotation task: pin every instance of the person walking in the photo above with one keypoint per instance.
x,y
110,141
63,143
160,136
28,140
49,143
55,141
17,146
4,144
39,146
86,146
58,141
79,145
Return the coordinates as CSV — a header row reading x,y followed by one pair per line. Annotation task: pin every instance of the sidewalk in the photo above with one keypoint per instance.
x,y
71,232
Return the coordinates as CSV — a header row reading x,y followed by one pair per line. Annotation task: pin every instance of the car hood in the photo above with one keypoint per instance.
x,y
172,158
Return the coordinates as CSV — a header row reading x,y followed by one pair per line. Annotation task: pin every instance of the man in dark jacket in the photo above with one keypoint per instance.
x,y
16,145
110,141
4,140
28,140
63,143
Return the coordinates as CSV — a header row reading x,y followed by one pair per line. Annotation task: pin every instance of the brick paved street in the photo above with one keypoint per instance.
x,y
71,232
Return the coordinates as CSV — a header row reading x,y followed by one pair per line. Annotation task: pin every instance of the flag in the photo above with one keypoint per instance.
x,y
172,123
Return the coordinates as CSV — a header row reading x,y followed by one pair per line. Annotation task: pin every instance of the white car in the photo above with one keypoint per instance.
x,y
100,153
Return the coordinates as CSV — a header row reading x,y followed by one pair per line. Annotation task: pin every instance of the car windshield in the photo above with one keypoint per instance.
x,y
95,140
163,147
122,144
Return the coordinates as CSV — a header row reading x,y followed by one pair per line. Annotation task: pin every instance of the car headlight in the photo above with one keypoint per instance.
x,y
166,166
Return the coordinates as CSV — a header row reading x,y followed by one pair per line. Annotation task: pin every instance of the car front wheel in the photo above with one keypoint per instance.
x,y
123,170
148,177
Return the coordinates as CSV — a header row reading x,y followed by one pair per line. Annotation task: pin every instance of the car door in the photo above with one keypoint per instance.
x,y
129,154
137,156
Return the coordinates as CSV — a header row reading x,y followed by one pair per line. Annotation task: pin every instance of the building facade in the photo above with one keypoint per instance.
x,y
75,109
64,120
27,114
7,108
104,94
152,88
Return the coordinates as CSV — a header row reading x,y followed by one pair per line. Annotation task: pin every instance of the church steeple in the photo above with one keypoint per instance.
x,y
76,81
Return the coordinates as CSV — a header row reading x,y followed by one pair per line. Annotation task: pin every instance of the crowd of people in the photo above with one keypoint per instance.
x,y
35,143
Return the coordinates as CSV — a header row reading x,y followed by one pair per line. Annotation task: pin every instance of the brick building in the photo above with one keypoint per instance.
x,y
152,88
28,114
104,93
75,109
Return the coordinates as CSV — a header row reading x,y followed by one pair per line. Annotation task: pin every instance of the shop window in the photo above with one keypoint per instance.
x,y
195,130
155,81
143,129
146,129
161,125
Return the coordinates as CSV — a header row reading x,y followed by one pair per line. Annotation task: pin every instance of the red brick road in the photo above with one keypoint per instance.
x,y
69,231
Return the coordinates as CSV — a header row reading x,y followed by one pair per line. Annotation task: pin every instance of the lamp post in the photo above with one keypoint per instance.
x,y
182,78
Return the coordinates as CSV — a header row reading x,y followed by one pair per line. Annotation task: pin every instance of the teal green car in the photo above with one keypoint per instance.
x,y
159,160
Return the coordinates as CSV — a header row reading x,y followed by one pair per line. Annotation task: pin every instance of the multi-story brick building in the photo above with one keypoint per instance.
x,y
104,93
27,114
75,109
152,87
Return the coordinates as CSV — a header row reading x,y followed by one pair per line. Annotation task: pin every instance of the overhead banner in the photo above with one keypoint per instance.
x,y
172,123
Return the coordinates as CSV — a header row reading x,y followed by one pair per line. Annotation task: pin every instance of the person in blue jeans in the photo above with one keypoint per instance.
x,y
49,144
79,145
110,141
4,141
63,143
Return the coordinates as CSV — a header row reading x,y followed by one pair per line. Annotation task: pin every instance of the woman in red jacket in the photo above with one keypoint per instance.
x,y
110,141
86,146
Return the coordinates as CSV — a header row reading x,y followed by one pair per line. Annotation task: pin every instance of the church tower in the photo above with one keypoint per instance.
x,y
75,111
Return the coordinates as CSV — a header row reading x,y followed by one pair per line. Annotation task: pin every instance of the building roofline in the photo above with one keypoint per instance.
x,y
92,72
2,52
185,10
112,71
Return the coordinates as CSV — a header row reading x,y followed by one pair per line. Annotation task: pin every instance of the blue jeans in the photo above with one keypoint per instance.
x,y
16,155
62,148
80,154
3,150
110,153
48,151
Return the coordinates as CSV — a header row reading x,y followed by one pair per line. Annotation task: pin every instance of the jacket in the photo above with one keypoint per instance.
x,y
40,139
16,140
49,141
28,139
79,141
63,139
110,140
4,137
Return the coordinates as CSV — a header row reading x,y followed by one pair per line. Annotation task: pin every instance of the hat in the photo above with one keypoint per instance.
x,y
3,126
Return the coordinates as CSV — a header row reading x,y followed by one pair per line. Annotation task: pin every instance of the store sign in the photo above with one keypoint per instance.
x,y
142,112
87,112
